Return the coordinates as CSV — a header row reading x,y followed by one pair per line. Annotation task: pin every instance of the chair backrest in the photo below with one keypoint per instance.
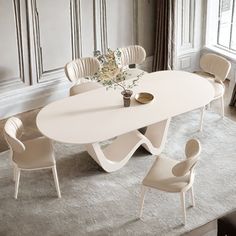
x,y
12,131
192,151
81,67
132,55
215,65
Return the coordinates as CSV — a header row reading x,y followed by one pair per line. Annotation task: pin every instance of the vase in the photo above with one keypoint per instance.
x,y
126,97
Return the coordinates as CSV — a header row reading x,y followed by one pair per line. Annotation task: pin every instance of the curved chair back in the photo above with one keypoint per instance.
x,y
81,67
132,55
215,65
192,151
12,131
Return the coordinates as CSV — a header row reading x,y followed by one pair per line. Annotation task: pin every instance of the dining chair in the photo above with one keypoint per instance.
x,y
30,155
77,70
132,55
173,176
216,69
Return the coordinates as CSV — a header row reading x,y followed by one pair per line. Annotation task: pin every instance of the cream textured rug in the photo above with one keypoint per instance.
x,y
97,203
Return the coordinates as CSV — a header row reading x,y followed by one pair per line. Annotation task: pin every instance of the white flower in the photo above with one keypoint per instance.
x,y
111,73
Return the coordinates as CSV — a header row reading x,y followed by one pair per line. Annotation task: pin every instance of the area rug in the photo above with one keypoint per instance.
x,y
97,203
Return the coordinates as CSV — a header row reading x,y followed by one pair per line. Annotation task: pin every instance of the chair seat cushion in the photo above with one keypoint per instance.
x,y
84,87
160,176
38,154
218,87
133,73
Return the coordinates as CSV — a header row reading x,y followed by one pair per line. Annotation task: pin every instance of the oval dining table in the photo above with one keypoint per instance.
x,y
95,116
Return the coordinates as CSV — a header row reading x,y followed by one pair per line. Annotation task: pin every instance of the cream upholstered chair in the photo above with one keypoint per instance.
x,y
132,55
215,69
173,176
77,69
34,154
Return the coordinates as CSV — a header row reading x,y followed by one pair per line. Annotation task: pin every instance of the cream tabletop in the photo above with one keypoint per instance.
x,y
99,114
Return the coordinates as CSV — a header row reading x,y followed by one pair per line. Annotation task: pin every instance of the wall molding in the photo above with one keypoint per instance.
x,y
189,34
76,41
39,95
187,18
22,51
189,61
103,25
19,39
18,8
39,87
32,97
76,38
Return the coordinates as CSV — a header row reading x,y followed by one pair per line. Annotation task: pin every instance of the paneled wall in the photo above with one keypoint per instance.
x,y
13,50
9,61
53,34
189,34
191,31
38,37
211,14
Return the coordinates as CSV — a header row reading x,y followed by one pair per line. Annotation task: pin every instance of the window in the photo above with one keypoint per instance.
x,y
226,36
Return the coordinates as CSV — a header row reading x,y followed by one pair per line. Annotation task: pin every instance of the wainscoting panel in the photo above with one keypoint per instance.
x,y
87,11
146,24
38,37
189,34
185,62
9,62
120,23
187,18
189,61
14,56
53,31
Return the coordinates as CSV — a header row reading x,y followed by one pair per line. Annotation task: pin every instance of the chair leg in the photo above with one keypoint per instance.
x,y
182,197
17,180
143,191
192,196
202,116
54,171
222,107
14,172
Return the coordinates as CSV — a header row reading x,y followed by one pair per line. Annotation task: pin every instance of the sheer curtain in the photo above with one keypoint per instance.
x,y
164,49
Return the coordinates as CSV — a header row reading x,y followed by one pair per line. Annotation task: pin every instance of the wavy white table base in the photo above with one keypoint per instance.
x,y
74,119
117,154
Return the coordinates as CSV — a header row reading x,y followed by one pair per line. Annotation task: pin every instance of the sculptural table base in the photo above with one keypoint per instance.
x,y
116,155
75,119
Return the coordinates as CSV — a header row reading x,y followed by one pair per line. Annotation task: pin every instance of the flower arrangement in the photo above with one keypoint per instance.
x,y
111,73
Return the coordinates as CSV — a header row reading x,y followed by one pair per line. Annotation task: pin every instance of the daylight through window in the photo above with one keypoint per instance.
x,y
227,25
